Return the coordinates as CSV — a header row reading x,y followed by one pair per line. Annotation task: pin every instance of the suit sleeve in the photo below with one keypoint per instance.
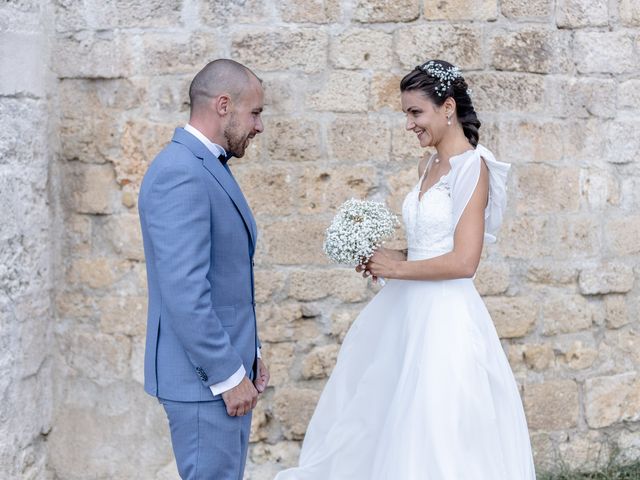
x,y
178,217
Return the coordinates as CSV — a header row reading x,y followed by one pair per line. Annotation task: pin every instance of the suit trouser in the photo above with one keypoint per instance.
x,y
208,444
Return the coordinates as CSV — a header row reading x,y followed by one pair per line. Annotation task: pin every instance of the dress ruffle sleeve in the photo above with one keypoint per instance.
x,y
465,173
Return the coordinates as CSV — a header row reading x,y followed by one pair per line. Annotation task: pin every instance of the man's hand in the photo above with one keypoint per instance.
x,y
241,399
262,379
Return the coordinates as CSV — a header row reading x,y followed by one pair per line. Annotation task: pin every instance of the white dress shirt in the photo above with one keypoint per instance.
x,y
235,379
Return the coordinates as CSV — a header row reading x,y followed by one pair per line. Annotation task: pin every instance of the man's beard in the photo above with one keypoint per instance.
x,y
236,143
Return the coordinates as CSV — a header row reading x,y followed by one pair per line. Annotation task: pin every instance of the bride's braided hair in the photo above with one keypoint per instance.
x,y
439,80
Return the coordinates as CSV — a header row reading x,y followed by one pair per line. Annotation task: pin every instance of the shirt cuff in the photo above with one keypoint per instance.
x,y
258,354
233,381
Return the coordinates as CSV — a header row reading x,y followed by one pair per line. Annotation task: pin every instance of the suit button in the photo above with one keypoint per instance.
x,y
202,374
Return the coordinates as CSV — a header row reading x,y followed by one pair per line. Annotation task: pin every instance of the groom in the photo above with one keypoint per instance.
x,y
202,357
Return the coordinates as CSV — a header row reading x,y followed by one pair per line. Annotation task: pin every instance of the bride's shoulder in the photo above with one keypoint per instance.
x,y
424,163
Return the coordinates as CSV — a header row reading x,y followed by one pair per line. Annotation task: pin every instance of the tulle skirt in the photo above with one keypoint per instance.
x,y
422,390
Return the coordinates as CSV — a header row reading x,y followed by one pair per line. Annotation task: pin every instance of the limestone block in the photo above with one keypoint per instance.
x,y
320,362
165,53
385,91
542,188
359,138
536,50
311,11
577,236
405,145
629,94
343,91
552,405
605,52
628,443
295,241
399,186
97,356
459,44
284,322
361,48
600,187
552,274
372,11
606,278
282,93
584,451
544,452
565,314
125,315
623,234
227,12
523,9
623,347
454,10
345,284
582,13
95,189
513,316
23,68
269,190
576,354
341,320
293,139
526,237
616,311
104,54
268,284
279,358
492,278
573,97
293,409
166,97
281,49
124,235
136,363
259,422
538,357
524,141
629,13
281,454
612,399
140,142
96,272
619,146
75,305
18,117
507,92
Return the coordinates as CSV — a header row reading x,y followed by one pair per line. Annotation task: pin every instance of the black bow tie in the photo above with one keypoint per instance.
x,y
224,158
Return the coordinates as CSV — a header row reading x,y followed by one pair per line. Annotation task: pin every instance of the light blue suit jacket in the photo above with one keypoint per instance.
x,y
199,238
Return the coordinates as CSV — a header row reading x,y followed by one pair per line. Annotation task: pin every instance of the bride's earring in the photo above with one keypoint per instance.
x,y
449,120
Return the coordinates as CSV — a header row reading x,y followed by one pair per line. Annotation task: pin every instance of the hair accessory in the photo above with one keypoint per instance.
x,y
445,75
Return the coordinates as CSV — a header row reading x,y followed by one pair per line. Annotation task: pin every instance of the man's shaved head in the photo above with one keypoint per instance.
x,y
218,77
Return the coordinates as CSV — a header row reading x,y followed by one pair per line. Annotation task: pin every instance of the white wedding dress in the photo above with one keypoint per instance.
x,y
422,389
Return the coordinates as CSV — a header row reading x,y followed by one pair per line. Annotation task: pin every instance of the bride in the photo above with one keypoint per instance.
x,y
422,389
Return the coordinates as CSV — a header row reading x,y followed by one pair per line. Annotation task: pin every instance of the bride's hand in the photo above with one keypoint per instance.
x,y
381,264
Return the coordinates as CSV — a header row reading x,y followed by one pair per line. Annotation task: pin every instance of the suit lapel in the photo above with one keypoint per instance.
x,y
222,176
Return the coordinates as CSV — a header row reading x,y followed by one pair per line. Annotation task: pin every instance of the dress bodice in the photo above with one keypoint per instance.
x,y
428,220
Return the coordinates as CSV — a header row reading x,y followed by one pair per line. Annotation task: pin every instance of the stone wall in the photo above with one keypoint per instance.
x,y
556,85
27,149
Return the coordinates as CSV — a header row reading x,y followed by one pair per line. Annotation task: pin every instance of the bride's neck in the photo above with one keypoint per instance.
x,y
453,146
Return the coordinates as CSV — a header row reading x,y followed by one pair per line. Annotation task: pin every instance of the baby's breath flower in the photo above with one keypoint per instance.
x,y
359,227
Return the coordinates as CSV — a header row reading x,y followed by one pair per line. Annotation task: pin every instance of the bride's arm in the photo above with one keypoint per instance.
x,y
461,262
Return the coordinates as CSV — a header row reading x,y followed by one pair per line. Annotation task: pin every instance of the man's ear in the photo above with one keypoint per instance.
x,y
222,104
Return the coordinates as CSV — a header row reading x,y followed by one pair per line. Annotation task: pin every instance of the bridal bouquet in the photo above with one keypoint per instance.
x,y
359,227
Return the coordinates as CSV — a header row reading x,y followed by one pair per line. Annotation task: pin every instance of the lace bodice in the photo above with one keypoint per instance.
x,y
428,220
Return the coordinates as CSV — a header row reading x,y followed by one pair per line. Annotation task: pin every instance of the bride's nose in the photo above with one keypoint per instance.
x,y
410,125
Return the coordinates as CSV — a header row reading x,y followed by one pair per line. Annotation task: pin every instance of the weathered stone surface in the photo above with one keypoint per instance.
x,y
542,189
576,355
601,188
265,460
283,49
341,321
620,147
525,141
268,284
616,311
623,234
605,52
269,190
507,92
533,50
629,94
94,190
461,10
96,272
293,139
125,315
584,452
570,97
606,278
105,54
565,314
459,44
295,242
513,316
582,13
552,274
612,399
140,142
361,48
492,278
279,358
345,284
525,237
293,409
552,405
221,13
343,91
124,234
521,9
577,237
313,11
22,70
538,356
629,13
383,11
163,53
359,138
320,362
385,91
